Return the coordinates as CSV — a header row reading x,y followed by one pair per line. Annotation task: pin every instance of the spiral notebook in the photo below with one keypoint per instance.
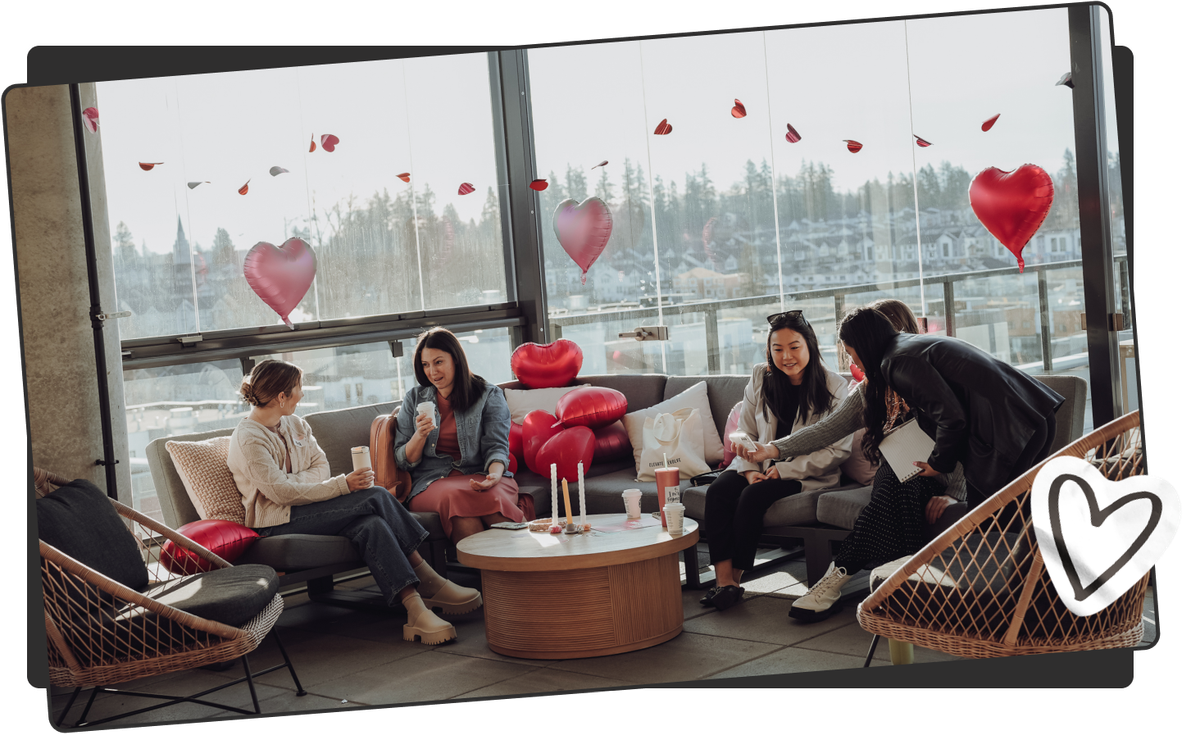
x,y
904,445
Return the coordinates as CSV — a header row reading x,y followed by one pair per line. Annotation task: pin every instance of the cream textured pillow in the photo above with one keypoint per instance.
x,y
522,402
206,477
696,397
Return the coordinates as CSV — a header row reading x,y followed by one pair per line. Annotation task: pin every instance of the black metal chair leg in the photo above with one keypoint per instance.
x,y
62,716
86,709
299,688
871,651
250,682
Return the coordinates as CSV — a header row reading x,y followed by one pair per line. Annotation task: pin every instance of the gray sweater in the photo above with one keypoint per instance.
x,y
848,417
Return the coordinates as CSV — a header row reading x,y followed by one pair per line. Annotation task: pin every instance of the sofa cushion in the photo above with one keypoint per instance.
x,y
521,401
338,431
696,397
858,467
229,595
206,477
797,509
841,509
296,552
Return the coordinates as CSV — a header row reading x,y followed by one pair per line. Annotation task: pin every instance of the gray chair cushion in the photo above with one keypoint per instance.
x,y
1069,418
79,520
338,431
298,552
797,509
841,509
229,595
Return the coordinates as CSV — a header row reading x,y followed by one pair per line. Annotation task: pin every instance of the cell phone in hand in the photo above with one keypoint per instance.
x,y
741,438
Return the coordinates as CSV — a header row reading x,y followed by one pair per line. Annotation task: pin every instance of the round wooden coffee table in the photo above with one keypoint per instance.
x,y
554,597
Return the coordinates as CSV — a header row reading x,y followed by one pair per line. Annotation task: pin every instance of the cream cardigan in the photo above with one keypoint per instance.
x,y
268,493
818,470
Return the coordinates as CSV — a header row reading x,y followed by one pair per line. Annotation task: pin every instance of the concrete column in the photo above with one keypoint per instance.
x,y
57,342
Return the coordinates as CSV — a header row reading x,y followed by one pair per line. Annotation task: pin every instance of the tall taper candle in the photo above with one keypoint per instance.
x,y
582,501
567,501
553,494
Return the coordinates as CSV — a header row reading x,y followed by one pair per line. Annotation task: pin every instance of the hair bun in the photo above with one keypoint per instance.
x,y
247,392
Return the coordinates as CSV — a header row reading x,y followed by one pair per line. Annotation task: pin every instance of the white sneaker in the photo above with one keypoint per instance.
x,y
822,596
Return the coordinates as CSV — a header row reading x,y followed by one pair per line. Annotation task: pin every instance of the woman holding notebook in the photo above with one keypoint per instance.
x,y
997,421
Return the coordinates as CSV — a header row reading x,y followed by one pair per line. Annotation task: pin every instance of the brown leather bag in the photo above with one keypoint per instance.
x,y
383,459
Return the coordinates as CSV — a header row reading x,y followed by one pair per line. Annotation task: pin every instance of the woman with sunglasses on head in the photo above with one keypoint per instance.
x,y
893,524
790,390
286,487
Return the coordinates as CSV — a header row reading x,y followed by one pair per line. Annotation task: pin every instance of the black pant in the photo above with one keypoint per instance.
x,y
1037,449
733,515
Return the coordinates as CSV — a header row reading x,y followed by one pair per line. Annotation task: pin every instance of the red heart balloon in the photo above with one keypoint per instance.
x,y
566,450
856,373
515,446
280,276
612,443
594,407
512,462
583,230
538,428
731,425
1012,205
547,365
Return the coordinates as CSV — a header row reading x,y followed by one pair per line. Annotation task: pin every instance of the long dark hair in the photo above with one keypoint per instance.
x,y
815,397
868,332
468,387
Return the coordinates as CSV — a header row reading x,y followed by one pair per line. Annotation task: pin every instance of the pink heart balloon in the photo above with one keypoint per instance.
x,y
583,230
1012,204
281,276
567,449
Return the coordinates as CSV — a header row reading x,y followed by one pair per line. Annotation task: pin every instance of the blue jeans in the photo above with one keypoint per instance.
x,y
380,528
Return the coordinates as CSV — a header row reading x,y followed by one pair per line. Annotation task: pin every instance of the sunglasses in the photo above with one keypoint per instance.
x,y
775,319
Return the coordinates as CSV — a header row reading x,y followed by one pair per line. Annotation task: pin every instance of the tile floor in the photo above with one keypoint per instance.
x,y
348,658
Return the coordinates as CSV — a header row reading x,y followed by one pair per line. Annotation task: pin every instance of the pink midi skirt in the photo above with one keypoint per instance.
x,y
453,497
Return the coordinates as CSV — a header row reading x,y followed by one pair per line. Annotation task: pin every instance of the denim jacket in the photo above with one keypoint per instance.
x,y
482,437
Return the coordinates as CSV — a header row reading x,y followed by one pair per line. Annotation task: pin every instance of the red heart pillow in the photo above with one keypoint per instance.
x,y
547,365
594,407
228,540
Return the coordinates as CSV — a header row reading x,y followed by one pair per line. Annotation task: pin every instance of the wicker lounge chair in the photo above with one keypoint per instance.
x,y
980,589
100,631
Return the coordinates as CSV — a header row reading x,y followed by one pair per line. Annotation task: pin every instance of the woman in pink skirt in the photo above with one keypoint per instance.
x,y
458,457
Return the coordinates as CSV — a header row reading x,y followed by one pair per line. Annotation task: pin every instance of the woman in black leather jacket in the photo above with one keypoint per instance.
x,y
995,419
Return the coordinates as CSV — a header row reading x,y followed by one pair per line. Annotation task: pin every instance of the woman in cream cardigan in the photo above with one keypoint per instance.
x,y
789,391
286,487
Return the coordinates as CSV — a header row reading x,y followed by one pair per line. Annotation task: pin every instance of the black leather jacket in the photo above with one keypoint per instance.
x,y
979,410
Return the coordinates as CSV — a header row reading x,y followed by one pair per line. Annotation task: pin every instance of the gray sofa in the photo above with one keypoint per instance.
x,y
813,521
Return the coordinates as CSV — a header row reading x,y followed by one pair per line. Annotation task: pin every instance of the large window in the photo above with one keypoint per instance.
x,y
729,217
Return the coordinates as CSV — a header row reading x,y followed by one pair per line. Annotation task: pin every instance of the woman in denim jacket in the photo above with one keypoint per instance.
x,y
469,437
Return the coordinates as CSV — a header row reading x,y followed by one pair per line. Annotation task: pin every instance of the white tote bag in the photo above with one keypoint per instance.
x,y
680,437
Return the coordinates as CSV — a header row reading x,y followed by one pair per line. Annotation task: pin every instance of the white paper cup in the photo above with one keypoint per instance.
x,y
674,518
428,408
633,503
361,457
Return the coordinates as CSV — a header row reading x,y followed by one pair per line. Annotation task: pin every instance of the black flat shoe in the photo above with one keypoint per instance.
x,y
707,599
727,596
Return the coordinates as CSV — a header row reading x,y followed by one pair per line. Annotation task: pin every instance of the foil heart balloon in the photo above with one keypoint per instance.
x,y
612,443
547,365
515,446
538,428
583,230
594,407
1012,205
281,276
567,450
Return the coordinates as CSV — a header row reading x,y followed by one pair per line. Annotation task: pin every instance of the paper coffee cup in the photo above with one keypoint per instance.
x,y
674,513
361,457
429,409
633,503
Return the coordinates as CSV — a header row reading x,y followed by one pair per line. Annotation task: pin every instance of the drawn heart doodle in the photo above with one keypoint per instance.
x,y
1099,537
281,276
1012,204
583,230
